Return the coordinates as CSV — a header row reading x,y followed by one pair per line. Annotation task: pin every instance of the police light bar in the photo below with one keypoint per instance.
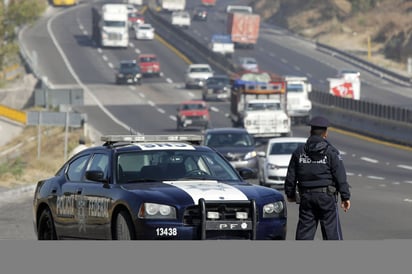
x,y
151,138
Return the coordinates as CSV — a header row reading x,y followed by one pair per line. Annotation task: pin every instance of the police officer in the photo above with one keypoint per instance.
x,y
317,173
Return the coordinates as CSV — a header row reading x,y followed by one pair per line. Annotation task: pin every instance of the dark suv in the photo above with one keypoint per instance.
x,y
235,144
129,73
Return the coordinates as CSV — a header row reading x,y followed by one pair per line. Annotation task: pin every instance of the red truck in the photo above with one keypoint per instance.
x,y
149,65
243,28
209,3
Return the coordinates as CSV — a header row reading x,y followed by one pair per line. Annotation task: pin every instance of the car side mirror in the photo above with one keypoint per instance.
x,y
95,175
247,173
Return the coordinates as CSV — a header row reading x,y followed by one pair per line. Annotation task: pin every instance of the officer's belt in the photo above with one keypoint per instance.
x,y
314,189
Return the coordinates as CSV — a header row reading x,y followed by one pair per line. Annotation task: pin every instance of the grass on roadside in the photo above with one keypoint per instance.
x,y
32,160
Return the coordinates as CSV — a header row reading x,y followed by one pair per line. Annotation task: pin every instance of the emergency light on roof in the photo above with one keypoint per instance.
x,y
151,138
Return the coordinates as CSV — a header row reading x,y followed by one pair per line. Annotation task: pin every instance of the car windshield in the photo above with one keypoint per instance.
x,y
147,59
193,106
295,88
129,67
168,165
218,81
230,139
263,106
200,69
283,148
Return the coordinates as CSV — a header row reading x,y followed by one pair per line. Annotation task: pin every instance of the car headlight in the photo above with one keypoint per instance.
x,y
250,155
272,166
273,210
156,211
138,75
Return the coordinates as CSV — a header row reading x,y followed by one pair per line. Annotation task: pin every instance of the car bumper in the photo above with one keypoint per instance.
x,y
269,229
251,163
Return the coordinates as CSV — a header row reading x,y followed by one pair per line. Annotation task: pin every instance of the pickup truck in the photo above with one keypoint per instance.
x,y
181,19
222,44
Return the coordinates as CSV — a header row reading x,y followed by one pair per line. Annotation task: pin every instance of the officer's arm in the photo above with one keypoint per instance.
x,y
339,176
290,180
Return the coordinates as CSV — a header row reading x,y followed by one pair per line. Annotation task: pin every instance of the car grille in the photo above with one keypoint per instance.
x,y
227,226
195,117
234,156
115,36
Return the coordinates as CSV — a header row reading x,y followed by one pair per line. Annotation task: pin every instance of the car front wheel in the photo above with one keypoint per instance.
x,y
46,229
123,227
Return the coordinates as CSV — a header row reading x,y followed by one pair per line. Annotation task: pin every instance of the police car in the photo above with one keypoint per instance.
x,y
165,187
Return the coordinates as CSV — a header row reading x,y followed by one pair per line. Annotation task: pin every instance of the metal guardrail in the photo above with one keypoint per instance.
x,y
379,71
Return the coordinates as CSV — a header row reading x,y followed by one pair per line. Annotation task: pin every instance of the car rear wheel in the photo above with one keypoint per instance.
x,y
123,227
46,229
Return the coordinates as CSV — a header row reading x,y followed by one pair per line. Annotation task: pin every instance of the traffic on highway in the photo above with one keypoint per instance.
x,y
379,173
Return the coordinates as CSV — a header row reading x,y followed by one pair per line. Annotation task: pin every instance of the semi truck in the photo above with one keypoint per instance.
x,y
243,28
110,25
299,105
258,104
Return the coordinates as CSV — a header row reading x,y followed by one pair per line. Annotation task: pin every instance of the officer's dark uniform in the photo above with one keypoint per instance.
x,y
317,170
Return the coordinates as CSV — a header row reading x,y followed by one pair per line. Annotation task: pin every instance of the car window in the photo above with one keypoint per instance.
x,y
99,162
229,139
295,88
75,169
169,164
283,148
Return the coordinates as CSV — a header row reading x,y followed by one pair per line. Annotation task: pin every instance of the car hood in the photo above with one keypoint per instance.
x,y
190,191
234,153
193,112
280,160
217,86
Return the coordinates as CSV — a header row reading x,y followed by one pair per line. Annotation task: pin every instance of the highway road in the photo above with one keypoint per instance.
x,y
379,173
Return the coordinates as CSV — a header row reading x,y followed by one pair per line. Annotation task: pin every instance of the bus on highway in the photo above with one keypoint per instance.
x,y
64,2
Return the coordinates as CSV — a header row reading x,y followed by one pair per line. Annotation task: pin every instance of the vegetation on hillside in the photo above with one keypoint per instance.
x,y
12,17
347,24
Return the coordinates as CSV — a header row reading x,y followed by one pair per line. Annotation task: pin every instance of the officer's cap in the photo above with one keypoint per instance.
x,y
319,121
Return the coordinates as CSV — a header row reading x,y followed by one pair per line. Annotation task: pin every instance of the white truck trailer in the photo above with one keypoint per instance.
x,y
110,25
298,104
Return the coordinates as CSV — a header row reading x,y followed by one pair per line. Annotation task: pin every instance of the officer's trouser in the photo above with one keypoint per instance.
x,y
317,207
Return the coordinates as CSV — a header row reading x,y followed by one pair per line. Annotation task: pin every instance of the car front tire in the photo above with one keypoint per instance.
x,y
123,227
46,229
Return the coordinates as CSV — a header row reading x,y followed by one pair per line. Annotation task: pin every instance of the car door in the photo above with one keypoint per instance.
x,y
65,199
93,212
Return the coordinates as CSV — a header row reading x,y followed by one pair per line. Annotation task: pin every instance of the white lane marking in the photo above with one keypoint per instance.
x,y
191,94
407,200
138,51
151,103
161,110
104,57
350,174
99,50
284,61
370,160
405,167
215,109
142,95
170,81
375,177
408,182
110,65
132,87
172,117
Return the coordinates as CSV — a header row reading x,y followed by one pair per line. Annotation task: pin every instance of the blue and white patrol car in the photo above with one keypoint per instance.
x,y
155,187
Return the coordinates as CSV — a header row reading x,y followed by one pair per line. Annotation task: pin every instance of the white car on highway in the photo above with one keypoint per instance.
x,y
196,75
145,32
274,161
